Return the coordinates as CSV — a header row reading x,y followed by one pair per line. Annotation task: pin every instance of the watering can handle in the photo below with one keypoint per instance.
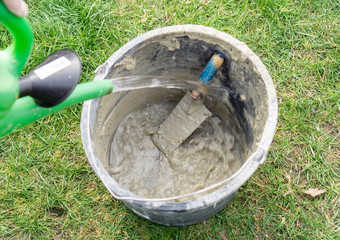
x,y
13,58
16,113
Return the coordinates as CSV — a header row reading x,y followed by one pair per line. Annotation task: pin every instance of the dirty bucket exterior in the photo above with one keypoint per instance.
x,y
183,51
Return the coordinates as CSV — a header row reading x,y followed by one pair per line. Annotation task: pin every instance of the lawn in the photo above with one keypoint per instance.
x,y
49,191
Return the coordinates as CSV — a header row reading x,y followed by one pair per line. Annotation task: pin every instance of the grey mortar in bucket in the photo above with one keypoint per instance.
x,y
183,51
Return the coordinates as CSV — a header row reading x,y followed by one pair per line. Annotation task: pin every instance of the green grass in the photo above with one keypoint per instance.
x,y
49,191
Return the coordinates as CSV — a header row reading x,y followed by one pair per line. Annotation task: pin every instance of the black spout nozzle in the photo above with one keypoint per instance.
x,y
53,80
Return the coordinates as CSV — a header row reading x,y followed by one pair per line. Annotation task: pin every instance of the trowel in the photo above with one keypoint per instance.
x,y
188,114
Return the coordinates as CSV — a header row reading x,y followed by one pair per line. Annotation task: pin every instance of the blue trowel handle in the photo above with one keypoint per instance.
x,y
211,68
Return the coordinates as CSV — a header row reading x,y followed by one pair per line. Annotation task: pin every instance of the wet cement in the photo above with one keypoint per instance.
x,y
208,156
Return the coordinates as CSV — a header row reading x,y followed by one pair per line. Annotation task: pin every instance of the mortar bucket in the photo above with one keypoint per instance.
x,y
182,51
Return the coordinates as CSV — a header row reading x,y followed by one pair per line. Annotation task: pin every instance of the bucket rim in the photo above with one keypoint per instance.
x,y
248,167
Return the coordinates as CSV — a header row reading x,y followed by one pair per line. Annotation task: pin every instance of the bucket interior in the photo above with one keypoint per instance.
x,y
184,56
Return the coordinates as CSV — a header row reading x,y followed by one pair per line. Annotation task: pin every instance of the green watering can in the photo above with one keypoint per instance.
x,y
50,87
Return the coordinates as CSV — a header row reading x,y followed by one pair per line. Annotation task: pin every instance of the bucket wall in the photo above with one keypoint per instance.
x,y
183,51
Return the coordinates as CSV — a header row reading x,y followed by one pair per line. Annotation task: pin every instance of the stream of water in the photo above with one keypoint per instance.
x,y
139,82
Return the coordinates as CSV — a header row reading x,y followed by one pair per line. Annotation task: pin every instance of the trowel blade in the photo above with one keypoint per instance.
x,y
186,117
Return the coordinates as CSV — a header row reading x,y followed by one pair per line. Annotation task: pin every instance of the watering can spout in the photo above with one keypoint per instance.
x,y
26,110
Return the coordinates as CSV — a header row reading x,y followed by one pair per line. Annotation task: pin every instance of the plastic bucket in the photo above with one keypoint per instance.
x,y
183,51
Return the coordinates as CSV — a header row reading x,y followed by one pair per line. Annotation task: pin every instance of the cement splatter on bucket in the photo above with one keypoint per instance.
x,y
248,112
